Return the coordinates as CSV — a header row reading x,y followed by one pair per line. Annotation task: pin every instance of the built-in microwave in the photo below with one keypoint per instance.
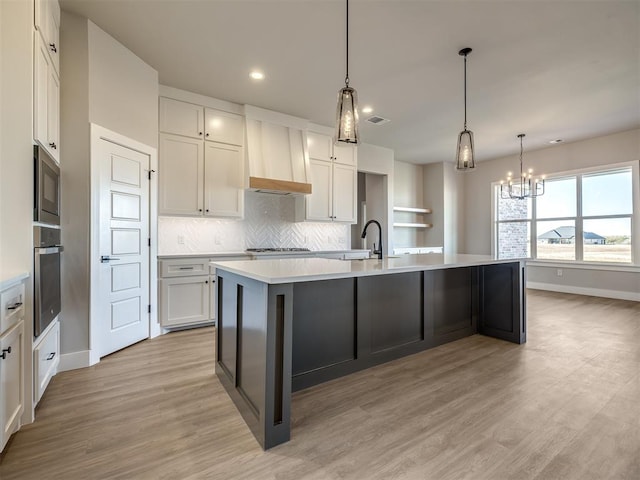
x,y
46,208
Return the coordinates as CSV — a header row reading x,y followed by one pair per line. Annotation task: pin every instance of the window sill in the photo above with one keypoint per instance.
x,y
612,267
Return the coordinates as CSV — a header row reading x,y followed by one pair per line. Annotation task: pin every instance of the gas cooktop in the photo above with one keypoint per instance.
x,y
269,249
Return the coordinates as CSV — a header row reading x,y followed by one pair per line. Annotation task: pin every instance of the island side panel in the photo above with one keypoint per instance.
x,y
451,304
502,302
254,321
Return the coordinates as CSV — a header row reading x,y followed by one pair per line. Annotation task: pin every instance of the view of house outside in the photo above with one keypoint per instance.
x,y
602,213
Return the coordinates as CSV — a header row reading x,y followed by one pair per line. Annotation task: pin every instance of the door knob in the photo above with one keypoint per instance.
x,y
107,258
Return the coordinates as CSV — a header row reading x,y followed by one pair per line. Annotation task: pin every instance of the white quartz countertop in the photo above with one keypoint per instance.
x,y
204,255
9,279
291,270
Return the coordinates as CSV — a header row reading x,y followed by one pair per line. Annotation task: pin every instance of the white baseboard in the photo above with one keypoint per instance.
x,y
593,292
74,360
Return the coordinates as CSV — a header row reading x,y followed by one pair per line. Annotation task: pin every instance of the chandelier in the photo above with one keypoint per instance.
x,y
464,156
347,111
527,186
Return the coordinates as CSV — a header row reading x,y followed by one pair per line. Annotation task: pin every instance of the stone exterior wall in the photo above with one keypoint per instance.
x,y
513,237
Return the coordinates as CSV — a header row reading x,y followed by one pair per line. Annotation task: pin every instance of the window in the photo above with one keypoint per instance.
x,y
583,217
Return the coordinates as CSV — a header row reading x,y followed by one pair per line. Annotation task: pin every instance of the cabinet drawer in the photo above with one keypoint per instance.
x,y
46,357
184,267
12,305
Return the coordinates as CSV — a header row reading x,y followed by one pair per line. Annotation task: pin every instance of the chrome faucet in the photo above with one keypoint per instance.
x,y
364,234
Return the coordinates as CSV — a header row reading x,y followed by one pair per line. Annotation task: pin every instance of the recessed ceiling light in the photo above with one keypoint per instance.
x,y
559,140
367,109
257,75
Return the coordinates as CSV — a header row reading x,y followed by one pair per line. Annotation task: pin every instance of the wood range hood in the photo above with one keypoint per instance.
x,y
277,154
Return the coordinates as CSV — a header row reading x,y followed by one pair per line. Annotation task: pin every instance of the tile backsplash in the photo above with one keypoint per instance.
x,y
268,222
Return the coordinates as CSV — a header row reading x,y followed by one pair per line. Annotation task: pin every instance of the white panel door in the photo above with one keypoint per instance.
x,y
345,154
345,190
319,201
319,146
224,180
123,246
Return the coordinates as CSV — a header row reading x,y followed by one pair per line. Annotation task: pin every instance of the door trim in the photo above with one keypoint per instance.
x,y
99,133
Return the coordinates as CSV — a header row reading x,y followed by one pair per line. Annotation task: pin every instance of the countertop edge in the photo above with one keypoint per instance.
x,y
230,267
13,279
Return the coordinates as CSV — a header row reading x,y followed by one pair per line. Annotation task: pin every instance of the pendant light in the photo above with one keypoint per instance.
x,y
464,158
527,186
347,111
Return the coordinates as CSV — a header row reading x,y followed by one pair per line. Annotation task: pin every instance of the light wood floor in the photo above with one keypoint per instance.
x,y
567,407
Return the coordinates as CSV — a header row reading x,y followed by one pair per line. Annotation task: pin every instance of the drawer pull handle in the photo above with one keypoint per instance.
x,y
51,356
14,306
185,268
4,353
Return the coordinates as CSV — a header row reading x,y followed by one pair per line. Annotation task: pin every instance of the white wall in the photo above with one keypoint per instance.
x,y
601,151
103,83
380,160
123,89
434,199
408,192
453,202
16,138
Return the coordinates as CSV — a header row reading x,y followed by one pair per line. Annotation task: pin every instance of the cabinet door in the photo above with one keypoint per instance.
x,y
319,203
345,154
53,114
40,91
11,386
46,357
223,127
47,22
320,146
224,181
181,118
181,170
344,193
184,300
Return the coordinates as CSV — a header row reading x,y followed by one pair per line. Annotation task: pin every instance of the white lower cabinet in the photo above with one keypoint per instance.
x,y
11,381
185,290
46,358
185,301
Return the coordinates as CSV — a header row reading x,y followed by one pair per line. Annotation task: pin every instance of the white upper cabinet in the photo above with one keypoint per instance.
x,y
223,180
334,179
195,121
47,22
201,161
180,176
223,127
181,118
46,101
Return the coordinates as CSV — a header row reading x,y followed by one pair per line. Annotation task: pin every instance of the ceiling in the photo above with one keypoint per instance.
x,y
552,69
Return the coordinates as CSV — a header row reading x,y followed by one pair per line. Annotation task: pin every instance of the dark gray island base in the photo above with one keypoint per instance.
x,y
277,337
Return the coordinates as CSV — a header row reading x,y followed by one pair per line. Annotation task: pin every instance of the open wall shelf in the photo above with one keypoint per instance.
x,y
412,209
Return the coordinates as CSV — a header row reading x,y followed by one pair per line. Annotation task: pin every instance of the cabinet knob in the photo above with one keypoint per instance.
x,y
207,210
206,281
206,134
53,145
52,47
199,133
200,210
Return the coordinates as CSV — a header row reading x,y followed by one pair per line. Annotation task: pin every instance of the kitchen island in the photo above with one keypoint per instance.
x,y
285,325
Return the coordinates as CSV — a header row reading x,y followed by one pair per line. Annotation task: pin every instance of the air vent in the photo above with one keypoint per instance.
x,y
376,120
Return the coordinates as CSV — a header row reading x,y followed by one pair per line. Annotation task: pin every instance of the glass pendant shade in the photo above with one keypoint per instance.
x,y
464,160
347,116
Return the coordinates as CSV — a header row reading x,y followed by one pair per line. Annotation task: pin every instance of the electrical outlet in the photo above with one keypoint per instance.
x,y
559,272
180,239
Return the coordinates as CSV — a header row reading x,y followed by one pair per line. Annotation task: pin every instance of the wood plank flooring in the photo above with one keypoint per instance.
x,y
567,407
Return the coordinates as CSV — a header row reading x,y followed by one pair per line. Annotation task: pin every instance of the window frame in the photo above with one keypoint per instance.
x,y
579,218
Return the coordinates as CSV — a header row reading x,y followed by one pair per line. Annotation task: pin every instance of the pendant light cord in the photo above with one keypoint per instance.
x,y
346,79
465,91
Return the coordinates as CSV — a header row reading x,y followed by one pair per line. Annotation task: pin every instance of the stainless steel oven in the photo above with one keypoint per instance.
x,y
47,256
46,205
